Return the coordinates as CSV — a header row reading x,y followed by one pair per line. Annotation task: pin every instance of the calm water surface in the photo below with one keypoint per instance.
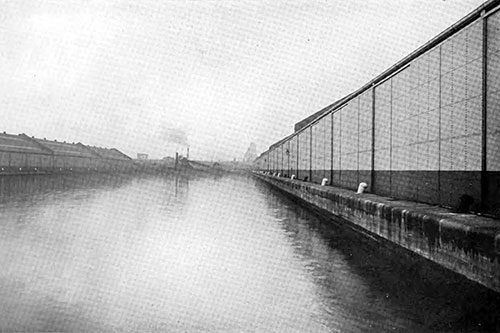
x,y
206,254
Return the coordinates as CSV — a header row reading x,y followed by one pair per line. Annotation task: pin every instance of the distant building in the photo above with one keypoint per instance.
x,y
22,153
251,153
142,156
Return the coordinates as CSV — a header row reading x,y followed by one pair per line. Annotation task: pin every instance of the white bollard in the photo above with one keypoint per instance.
x,y
324,181
362,187
293,177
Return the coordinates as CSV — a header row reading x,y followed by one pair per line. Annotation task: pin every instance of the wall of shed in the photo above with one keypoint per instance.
x,y
428,133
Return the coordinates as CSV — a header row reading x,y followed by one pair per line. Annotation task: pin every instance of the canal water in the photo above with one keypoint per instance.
x,y
206,254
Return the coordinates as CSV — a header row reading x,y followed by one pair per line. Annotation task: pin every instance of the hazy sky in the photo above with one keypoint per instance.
x,y
148,76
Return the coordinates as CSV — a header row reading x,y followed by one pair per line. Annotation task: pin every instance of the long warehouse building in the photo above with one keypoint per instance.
x,y
425,130
20,154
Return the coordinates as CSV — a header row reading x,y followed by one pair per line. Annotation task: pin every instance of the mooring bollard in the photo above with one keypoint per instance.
x,y
362,187
324,181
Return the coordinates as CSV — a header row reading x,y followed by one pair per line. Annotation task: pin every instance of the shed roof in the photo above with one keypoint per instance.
x,y
19,144
63,148
112,153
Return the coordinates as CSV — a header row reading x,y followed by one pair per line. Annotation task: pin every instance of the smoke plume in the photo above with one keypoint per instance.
x,y
175,136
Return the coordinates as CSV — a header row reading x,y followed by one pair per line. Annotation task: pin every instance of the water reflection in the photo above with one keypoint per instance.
x,y
186,254
149,254
370,286
31,188
347,300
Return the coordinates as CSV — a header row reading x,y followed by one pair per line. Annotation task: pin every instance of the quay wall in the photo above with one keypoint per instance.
x,y
466,244
425,130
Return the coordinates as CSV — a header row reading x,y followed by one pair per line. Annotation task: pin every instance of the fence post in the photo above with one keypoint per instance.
x,y
310,153
331,148
484,138
372,174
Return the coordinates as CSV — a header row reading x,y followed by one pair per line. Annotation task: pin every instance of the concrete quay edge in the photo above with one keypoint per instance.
x,y
464,243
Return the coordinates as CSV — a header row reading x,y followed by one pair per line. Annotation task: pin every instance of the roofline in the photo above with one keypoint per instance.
x,y
487,7
317,115
274,145
88,149
124,155
38,144
63,143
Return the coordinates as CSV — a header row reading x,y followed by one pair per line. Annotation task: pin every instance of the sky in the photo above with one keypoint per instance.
x,y
158,76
